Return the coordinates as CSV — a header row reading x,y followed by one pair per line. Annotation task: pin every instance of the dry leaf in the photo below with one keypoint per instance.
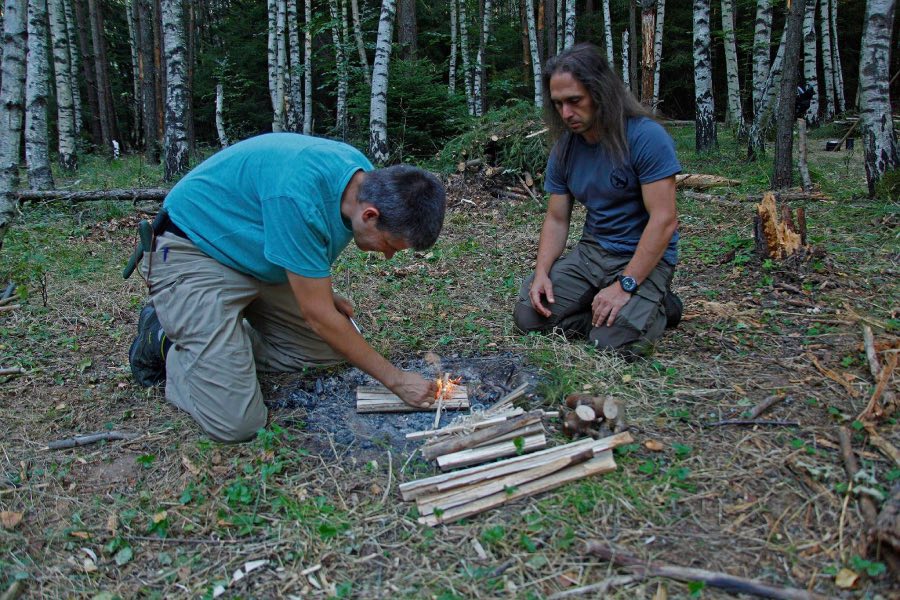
x,y
112,523
845,579
81,535
10,520
567,579
661,593
89,566
653,446
190,466
160,516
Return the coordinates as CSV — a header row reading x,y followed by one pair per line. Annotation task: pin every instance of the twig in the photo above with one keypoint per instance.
x,y
159,540
766,405
872,409
731,583
14,590
507,399
882,444
387,489
866,506
753,422
12,371
9,307
599,589
91,438
8,292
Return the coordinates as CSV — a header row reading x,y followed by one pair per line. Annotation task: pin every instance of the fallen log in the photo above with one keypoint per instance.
x,y
699,181
91,438
133,195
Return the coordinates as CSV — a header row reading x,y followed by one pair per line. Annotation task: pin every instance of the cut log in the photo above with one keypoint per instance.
x,y
495,432
475,456
372,399
133,195
463,165
610,409
586,413
523,432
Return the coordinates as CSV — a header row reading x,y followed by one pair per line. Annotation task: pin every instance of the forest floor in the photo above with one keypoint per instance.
x,y
172,514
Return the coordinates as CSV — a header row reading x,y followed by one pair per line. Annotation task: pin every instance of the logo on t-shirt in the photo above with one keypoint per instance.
x,y
618,178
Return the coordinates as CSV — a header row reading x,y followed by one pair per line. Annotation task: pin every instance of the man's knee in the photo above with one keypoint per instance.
x,y
527,319
232,429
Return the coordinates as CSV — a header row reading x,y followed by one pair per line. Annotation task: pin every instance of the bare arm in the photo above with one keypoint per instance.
x,y
554,233
659,200
318,306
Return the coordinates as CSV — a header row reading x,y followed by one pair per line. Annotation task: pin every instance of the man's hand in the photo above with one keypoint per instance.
x,y
415,390
607,304
541,287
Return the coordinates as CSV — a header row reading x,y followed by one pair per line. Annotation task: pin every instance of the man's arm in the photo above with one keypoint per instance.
x,y
659,200
317,306
554,233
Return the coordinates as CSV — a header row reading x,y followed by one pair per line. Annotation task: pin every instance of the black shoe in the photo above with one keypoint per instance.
x,y
147,355
674,308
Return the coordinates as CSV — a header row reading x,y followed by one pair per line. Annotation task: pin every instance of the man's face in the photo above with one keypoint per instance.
x,y
369,238
574,104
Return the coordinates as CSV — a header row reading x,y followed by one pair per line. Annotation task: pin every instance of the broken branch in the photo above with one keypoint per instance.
x,y
91,438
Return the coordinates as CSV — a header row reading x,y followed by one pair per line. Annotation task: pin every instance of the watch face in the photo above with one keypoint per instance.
x,y
628,283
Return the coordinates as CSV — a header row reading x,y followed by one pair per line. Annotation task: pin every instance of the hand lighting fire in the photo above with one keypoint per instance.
x,y
445,386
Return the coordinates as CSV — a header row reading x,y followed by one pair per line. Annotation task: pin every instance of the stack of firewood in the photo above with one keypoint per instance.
x,y
452,496
596,416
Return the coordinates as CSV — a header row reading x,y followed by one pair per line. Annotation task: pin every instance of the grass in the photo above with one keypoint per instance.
x,y
174,514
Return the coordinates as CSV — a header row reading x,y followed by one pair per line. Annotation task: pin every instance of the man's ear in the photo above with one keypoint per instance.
x,y
370,212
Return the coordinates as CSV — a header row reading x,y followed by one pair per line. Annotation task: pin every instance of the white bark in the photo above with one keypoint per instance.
x,y
378,142
810,55
560,23
829,100
535,57
878,136
337,18
657,50
175,143
272,55
763,113
65,112
762,39
626,72
464,49
74,62
220,118
836,58
705,111
451,77
307,69
37,83
279,120
12,98
607,33
294,72
570,24
360,43
734,116
477,85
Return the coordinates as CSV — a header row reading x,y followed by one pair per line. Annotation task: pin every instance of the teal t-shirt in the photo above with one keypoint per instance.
x,y
270,204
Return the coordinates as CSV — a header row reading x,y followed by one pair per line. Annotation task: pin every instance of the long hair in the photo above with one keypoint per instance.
x,y
613,102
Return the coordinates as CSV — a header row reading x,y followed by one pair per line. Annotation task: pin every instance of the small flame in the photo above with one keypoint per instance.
x,y
445,386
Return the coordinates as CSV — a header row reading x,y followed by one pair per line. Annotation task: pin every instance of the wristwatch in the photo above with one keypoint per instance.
x,y
628,283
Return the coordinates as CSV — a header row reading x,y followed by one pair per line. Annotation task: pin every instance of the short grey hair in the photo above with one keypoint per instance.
x,y
411,203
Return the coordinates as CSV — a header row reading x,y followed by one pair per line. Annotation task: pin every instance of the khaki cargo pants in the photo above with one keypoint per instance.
x,y
224,326
576,278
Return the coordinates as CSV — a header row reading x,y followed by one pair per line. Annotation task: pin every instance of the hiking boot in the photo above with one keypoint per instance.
x,y
147,355
674,308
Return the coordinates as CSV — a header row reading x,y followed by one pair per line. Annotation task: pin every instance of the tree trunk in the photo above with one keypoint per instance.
x,y
836,58
479,78
407,33
535,59
37,82
147,67
810,54
464,48
340,121
550,26
523,38
12,98
657,51
734,116
378,142
570,24
295,111
272,61
626,72
633,49
451,77
176,137
705,119
830,100
361,46
62,68
95,16
763,114
878,136
88,71
307,69
762,38
560,25
74,63
787,98
131,18
607,35
648,51
220,118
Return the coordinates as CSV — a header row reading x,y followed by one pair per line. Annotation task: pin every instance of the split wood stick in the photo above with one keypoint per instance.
x,y
507,399
371,399
754,422
523,432
474,456
465,427
455,444
872,409
445,481
427,505
866,506
12,371
766,405
91,438
10,307
882,444
602,463
731,583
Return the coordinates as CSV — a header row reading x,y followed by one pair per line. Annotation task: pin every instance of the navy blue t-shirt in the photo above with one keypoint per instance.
x,y
611,192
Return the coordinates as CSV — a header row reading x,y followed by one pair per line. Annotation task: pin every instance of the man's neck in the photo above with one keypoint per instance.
x,y
350,197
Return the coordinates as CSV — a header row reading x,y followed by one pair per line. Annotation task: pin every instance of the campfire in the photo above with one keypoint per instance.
x,y
445,386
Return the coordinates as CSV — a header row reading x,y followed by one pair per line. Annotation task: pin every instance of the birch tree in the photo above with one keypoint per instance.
x,y
176,129
62,68
828,102
360,43
657,50
12,98
836,62
810,55
37,81
535,57
276,66
570,24
378,142
337,19
74,61
607,34
451,77
307,68
878,136
478,79
734,115
762,38
220,115
464,50
295,70
787,98
626,72
705,118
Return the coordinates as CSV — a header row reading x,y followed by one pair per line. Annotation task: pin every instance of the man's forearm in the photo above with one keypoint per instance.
x,y
339,333
553,241
651,248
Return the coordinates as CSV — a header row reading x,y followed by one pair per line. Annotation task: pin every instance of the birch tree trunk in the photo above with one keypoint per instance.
x,y
810,55
131,17
307,69
734,115
12,98
478,83
464,48
535,58
295,112
787,98
763,114
272,55
37,82
220,115
378,142
148,80
607,34
626,72
841,105
74,62
176,131
878,136
829,100
451,77
361,46
570,24
705,119
279,120
762,38
657,51
65,112
340,123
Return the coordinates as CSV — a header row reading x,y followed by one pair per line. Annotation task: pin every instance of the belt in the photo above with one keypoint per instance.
x,y
169,226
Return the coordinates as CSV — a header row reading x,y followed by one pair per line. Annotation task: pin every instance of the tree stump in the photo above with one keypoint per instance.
x,y
776,237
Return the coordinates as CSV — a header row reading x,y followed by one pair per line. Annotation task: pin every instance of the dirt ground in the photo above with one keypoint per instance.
x,y
171,514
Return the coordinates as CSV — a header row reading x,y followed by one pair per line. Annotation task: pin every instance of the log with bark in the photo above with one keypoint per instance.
x,y
132,195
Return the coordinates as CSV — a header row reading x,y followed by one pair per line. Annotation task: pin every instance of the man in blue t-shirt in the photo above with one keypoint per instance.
x,y
611,156
240,273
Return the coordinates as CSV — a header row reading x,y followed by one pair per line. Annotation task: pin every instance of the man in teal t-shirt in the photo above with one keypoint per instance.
x,y
239,275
